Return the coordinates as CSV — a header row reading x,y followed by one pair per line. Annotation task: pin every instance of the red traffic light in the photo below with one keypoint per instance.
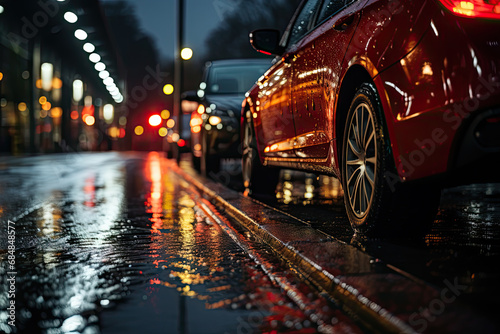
x,y
155,120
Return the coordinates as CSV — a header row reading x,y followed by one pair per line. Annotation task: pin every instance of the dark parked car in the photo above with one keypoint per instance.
x,y
215,126
395,98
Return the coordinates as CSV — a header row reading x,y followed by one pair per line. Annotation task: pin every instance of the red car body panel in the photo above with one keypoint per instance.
x,y
315,78
432,70
453,73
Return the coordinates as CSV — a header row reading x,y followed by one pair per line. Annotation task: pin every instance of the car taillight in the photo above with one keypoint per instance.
x,y
489,9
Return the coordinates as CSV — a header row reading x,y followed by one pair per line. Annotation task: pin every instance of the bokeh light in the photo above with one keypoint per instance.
x,y
90,120
168,89
163,132
155,120
139,130
186,53
165,114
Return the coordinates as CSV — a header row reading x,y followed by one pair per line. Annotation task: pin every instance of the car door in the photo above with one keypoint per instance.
x,y
316,72
275,94
273,112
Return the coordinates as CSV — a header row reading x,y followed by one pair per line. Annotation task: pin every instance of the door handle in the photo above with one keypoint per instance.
x,y
344,22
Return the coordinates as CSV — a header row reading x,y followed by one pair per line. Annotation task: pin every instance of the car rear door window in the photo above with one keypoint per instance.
x,y
331,7
234,79
303,22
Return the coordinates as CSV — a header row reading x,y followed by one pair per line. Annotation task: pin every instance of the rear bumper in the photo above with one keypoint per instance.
x,y
476,152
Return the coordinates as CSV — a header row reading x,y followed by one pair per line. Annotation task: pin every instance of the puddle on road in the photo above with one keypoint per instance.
x,y
298,188
116,252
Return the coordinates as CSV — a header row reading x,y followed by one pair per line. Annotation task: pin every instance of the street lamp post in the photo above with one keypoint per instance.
x,y
179,69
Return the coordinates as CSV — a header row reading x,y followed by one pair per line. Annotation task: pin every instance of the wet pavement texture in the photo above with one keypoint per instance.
x,y
462,247
119,243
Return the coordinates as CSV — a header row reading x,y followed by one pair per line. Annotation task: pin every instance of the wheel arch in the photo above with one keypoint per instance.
x,y
352,80
362,71
247,106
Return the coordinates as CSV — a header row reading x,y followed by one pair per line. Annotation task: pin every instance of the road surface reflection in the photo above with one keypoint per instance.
x,y
120,244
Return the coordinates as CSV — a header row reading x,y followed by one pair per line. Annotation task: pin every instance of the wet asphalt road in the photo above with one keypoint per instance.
x,y
118,243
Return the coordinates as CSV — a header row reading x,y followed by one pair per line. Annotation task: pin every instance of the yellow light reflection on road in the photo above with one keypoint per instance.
x,y
154,202
176,227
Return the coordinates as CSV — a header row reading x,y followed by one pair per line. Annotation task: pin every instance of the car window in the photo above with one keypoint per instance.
x,y
234,79
305,17
331,7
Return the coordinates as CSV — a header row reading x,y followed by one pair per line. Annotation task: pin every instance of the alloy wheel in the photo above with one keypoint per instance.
x,y
361,160
247,155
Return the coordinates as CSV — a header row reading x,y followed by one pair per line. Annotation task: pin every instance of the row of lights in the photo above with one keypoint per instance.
x,y
95,58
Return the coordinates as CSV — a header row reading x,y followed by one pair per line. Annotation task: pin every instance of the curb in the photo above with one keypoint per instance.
x,y
376,294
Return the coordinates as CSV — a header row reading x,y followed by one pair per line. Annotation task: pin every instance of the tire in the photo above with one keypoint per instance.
x,y
256,177
376,204
209,163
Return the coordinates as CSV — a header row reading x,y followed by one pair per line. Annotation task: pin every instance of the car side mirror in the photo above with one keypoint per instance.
x,y
266,41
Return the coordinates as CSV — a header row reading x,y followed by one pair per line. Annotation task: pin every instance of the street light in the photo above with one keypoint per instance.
x,y
95,58
104,74
112,88
70,17
168,89
108,81
77,90
186,53
100,67
108,113
81,34
47,70
89,47
139,130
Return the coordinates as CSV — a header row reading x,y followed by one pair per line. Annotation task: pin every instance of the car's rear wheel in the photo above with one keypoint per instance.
x,y
256,178
376,204
209,163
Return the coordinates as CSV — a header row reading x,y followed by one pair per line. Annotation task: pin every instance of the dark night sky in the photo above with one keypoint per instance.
x,y
158,19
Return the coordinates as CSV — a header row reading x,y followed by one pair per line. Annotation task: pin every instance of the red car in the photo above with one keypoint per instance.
x,y
395,98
